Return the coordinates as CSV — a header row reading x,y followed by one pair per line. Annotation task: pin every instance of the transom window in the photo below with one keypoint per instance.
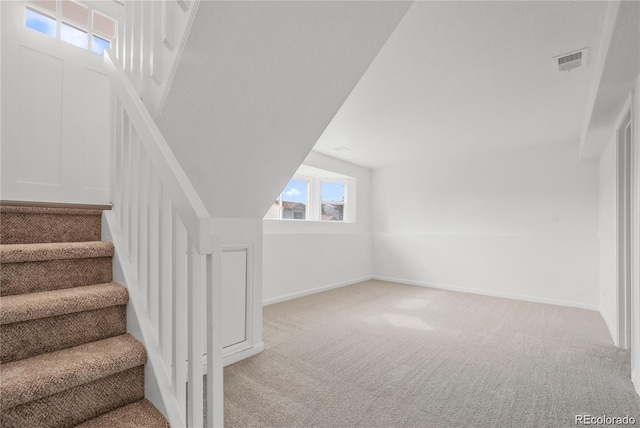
x,y
316,195
72,22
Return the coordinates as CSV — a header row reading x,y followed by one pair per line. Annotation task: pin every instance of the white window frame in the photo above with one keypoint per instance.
x,y
314,199
86,27
307,210
345,210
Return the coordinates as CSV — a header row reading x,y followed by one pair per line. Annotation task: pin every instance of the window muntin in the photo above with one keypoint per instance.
x,y
80,25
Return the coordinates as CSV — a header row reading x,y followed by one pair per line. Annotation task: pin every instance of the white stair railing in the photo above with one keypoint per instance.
x,y
151,37
174,256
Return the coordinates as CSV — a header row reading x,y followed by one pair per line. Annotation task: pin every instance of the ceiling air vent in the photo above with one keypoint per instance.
x,y
569,61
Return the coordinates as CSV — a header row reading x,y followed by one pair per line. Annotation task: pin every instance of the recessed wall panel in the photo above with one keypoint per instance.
x,y
38,100
234,296
96,147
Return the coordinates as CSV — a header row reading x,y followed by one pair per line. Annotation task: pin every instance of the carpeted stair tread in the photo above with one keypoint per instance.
x,y
20,253
28,225
33,277
47,374
24,307
78,404
49,210
27,339
135,415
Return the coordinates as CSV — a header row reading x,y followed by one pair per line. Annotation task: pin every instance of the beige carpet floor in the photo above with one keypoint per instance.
x,y
378,354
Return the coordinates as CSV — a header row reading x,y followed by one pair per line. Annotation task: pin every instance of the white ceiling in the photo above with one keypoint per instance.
x,y
469,77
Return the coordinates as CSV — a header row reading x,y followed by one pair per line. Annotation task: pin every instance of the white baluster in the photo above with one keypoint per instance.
x,y
134,207
166,256
136,60
117,159
179,298
128,40
196,325
145,48
143,228
215,402
154,232
168,24
126,188
155,47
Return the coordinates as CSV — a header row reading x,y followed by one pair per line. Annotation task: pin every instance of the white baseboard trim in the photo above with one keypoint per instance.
x,y
291,296
234,357
525,298
612,332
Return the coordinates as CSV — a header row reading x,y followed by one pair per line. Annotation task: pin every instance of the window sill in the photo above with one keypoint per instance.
x,y
290,220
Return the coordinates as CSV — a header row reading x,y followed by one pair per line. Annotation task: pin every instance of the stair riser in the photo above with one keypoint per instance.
x,y
31,228
78,404
31,277
29,338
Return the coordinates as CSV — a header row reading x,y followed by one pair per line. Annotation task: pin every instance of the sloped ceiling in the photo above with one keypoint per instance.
x,y
464,77
256,87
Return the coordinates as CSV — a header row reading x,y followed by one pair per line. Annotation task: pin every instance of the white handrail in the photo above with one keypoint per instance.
x,y
173,260
192,211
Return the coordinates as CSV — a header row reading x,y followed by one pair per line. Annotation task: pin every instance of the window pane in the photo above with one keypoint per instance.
x,y
98,45
104,24
39,22
73,35
332,195
294,200
49,5
75,12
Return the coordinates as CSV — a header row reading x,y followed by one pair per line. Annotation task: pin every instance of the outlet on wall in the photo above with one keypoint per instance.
x,y
555,219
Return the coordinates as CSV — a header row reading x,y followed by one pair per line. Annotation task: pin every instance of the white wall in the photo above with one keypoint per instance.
x,y
301,257
257,84
608,238
55,116
521,223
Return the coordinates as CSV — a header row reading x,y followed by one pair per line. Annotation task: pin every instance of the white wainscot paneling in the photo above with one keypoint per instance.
x,y
96,130
56,144
234,296
39,119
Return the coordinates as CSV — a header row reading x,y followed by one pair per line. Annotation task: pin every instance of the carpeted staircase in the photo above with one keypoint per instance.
x,y
66,358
